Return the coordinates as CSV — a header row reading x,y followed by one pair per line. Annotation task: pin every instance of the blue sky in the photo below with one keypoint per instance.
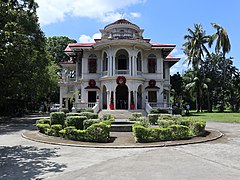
x,y
164,21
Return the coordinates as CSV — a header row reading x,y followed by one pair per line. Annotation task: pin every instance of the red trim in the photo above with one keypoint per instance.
x,y
170,57
162,45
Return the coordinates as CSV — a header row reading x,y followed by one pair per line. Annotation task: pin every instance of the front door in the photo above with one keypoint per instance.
x,y
122,97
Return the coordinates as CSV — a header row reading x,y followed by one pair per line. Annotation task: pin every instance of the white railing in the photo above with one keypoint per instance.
x,y
84,105
148,108
104,73
96,108
122,35
121,72
160,105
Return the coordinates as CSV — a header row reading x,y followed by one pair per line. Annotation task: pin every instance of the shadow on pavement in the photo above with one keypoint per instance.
x,y
20,162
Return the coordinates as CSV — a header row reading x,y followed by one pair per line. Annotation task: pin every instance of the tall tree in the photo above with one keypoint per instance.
x,y
23,62
195,46
222,46
56,46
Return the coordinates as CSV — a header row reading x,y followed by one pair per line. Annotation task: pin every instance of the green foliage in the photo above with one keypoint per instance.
x,y
65,110
198,128
158,111
98,132
179,131
73,114
43,127
143,121
165,123
137,114
87,123
76,121
89,115
57,118
107,116
84,110
43,121
153,118
56,128
70,132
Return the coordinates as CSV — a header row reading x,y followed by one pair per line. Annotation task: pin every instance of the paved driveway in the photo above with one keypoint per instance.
x,y
24,159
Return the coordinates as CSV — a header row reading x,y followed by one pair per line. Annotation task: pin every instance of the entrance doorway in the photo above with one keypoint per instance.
x,y
92,96
122,97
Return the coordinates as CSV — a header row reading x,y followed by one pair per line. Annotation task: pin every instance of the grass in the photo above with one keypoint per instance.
x,y
228,117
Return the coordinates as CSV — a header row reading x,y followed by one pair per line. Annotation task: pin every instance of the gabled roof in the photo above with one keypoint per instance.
x,y
121,21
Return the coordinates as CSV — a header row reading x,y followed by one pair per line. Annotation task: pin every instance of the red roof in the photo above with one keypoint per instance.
x,y
170,57
162,45
121,21
68,48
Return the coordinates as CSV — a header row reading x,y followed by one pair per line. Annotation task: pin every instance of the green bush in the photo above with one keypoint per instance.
x,y
198,128
57,118
165,123
65,110
43,121
143,121
62,133
87,123
159,111
56,128
132,119
165,117
107,116
85,110
153,118
137,114
70,132
73,114
76,121
89,115
108,122
98,132
179,131
141,133
43,127
81,135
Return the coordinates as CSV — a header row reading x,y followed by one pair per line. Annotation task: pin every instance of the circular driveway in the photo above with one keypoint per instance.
x,y
25,159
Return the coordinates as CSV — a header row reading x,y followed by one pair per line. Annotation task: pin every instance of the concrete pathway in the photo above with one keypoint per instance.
x,y
24,159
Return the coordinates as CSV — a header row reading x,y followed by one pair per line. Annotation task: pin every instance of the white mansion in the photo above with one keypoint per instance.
x,y
122,70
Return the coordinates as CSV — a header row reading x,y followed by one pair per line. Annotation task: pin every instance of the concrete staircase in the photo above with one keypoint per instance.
x,y
121,124
121,114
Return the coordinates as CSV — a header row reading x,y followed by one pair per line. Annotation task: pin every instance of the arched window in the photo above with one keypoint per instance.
x,y
92,63
152,63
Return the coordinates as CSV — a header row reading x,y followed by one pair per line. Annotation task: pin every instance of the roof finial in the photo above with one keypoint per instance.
x,y
122,15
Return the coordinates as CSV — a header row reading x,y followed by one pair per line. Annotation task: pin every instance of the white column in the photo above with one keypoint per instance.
x,y
129,99
114,65
108,99
61,98
135,98
130,65
77,71
109,66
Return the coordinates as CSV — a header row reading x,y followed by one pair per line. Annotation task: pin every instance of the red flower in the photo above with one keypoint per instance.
x,y
121,80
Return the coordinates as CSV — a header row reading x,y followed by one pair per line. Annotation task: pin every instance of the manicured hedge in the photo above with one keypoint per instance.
x,y
98,132
153,118
43,127
87,123
57,118
73,114
89,115
43,121
76,121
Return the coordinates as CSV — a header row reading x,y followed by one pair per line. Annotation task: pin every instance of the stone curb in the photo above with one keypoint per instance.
x,y
37,137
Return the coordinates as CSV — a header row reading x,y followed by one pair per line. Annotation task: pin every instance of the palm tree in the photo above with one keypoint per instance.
x,y
195,47
222,45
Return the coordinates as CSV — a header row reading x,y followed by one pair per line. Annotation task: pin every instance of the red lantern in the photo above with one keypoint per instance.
x,y
92,83
152,83
121,80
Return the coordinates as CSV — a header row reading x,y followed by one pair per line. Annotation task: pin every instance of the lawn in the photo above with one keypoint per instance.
x,y
217,116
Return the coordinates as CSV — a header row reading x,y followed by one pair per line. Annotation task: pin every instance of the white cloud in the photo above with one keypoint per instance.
x,y
51,11
179,66
85,38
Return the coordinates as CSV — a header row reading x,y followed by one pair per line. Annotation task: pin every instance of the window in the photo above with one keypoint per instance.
x,y
152,61
92,96
139,62
92,63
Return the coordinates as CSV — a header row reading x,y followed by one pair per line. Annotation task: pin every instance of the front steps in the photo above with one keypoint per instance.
x,y
121,114
121,125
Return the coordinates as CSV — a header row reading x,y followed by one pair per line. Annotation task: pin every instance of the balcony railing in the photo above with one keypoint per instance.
x,y
121,72
160,105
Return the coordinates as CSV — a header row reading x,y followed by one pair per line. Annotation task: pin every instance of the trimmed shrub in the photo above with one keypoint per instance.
x,y
108,122
65,110
56,128
179,131
165,123
73,114
89,115
153,118
57,118
165,117
85,110
159,111
87,123
141,133
76,121
81,135
70,132
198,128
62,133
43,121
143,121
43,127
132,119
107,116
137,114
98,132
